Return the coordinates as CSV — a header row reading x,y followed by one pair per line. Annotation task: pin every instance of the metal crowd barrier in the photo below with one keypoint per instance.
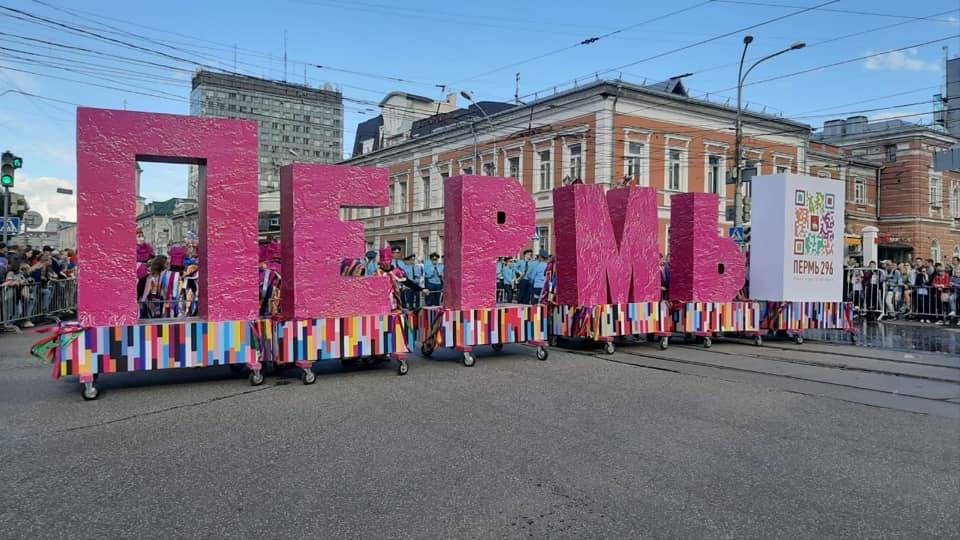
x,y
36,302
876,299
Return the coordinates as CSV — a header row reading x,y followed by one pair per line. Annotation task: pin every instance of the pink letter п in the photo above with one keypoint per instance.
x,y
606,241
704,267
314,241
109,143
485,218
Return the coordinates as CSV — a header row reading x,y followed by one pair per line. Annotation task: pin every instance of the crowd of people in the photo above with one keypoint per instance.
x,y
922,289
167,284
31,279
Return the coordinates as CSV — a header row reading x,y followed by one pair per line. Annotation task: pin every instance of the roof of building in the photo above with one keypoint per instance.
x,y
368,129
428,125
672,89
842,131
411,97
249,83
162,208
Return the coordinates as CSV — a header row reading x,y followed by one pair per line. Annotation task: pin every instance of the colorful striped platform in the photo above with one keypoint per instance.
x,y
713,317
610,320
806,315
439,327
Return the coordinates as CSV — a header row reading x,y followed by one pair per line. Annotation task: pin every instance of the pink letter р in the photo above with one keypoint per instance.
x,y
704,267
606,243
485,218
109,143
314,241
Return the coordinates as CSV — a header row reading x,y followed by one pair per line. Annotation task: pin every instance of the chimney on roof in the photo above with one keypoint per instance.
x,y
856,125
833,128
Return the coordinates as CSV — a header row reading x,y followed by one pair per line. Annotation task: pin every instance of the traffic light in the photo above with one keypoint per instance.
x,y
8,164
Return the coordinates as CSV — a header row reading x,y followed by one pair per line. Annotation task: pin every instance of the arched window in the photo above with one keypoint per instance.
x,y
956,251
935,251
955,202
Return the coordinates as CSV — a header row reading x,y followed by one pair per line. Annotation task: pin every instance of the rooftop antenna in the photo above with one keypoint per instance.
x,y
284,56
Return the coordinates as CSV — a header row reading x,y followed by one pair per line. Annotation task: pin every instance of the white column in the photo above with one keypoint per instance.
x,y
870,239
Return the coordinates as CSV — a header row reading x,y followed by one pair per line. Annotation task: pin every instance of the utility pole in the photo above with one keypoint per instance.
x,y
738,143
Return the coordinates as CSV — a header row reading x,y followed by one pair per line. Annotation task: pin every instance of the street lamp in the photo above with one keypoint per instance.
x,y
738,167
469,97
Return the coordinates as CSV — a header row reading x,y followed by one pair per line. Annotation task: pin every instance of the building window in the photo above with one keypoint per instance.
x,y
575,170
891,151
543,239
544,167
466,170
935,251
859,191
714,180
635,164
489,169
674,170
401,197
425,187
824,174
513,167
783,169
936,192
955,202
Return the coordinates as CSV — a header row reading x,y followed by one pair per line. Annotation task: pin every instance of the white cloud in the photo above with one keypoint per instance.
x,y
41,194
907,60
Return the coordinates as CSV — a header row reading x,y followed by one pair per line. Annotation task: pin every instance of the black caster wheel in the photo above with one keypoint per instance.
x,y
308,377
758,340
89,391
707,342
402,368
609,347
542,353
426,351
497,347
798,339
256,378
664,343
468,359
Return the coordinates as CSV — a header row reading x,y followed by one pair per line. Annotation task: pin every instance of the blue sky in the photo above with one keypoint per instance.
x,y
460,45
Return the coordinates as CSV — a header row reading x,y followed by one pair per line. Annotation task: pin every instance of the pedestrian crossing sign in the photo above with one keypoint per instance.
x,y
10,226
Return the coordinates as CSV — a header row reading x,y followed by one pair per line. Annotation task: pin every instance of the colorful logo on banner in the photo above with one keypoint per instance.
x,y
813,226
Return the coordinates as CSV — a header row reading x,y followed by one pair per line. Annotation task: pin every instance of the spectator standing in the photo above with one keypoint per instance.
x,y
893,290
941,293
433,276
922,289
538,277
509,280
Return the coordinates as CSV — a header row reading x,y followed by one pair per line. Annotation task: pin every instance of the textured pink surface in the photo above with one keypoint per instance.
x,y
606,243
697,252
314,240
109,143
473,238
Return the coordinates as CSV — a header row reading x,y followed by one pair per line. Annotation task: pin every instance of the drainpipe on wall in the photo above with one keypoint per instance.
x,y
613,134
879,172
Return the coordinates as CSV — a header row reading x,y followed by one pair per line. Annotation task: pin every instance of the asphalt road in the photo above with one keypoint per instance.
x,y
738,441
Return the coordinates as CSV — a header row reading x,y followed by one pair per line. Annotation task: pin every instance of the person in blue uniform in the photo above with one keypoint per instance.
x,y
370,268
524,269
509,272
433,277
538,276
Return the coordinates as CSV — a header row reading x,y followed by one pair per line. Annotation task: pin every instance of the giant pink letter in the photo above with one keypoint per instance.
x,y
606,241
703,266
485,218
109,143
315,240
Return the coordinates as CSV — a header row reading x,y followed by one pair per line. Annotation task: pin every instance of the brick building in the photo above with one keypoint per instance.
x,y
600,133
918,211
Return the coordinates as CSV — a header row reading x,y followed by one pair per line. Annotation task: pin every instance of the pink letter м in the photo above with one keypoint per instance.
x,y
314,241
109,143
485,218
606,240
704,267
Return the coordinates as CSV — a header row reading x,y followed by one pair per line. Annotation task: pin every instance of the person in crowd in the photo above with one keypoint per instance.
x,y
370,266
940,293
270,249
893,290
538,276
414,271
909,275
433,277
18,295
401,282
144,250
3,259
872,281
524,269
922,291
42,272
151,302
500,279
548,293
177,255
855,281
270,281
509,272
664,265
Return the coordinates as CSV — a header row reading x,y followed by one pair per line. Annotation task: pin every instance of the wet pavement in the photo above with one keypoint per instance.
x,y
900,335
